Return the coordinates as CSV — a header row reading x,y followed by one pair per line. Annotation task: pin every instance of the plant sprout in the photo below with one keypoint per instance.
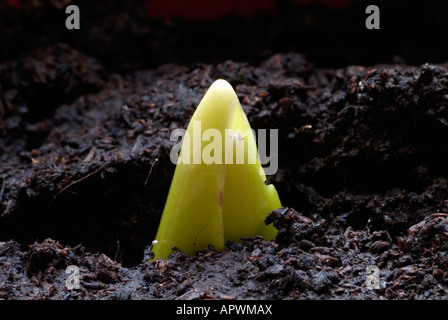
x,y
218,200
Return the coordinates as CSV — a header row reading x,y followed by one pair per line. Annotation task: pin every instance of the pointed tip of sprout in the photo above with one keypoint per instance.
x,y
221,84
223,88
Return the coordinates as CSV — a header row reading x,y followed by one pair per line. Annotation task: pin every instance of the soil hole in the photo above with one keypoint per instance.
x,y
115,215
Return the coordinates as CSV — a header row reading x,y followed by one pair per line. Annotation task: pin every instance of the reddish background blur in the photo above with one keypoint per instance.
x,y
202,10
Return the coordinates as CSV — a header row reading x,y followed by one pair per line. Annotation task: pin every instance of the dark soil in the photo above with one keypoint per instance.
x,y
85,168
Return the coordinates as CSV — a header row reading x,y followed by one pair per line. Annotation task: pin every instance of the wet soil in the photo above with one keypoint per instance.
x,y
85,169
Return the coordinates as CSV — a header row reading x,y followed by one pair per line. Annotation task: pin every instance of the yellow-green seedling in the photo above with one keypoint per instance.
x,y
218,192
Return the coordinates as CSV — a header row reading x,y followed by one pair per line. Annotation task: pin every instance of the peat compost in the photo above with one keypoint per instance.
x,y
85,167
